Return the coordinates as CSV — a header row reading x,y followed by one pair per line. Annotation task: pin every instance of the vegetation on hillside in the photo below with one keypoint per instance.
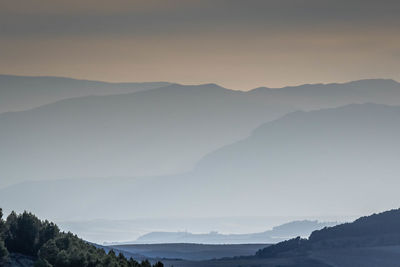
x,y
26,234
381,229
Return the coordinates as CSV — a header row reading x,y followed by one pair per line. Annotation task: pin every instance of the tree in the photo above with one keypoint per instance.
x,y
48,231
42,263
23,233
3,253
3,249
146,263
49,251
2,225
159,264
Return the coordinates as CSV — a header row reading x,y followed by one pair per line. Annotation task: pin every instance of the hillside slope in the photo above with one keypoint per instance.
x,y
153,132
371,241
340,157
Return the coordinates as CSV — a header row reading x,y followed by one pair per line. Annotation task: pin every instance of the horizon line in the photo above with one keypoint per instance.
x,y
169,83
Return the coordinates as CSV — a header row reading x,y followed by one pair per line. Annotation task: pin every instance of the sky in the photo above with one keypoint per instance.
x,y
237,44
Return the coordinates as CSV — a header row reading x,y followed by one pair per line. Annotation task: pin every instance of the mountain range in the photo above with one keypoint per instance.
x,y
20,93
152,132
275,235
164,129
342,157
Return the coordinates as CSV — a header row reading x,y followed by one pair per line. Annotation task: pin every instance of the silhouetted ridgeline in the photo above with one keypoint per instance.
x,y
275,235
25,238
377,230
149,123
25,92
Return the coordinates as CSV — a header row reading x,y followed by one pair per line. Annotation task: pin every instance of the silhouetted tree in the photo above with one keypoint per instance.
x,y
159,264
3,250
146,263
1,223
25,233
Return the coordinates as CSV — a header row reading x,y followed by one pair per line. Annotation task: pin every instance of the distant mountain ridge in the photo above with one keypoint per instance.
x,y
137,134
318,96
277,234
156,131
18,93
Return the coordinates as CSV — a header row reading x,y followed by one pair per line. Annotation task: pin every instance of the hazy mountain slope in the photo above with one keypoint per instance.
x,y
300,135
337,158
315,96
277,234
152,132
124,231
24,92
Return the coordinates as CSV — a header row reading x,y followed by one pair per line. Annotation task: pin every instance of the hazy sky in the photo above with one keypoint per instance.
x,y
238,44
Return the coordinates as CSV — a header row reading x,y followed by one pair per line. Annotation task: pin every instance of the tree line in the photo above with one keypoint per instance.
x,y
49,247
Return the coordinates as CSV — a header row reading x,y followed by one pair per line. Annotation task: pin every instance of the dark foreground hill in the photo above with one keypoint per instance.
x,y
368,241
372,241
27,241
